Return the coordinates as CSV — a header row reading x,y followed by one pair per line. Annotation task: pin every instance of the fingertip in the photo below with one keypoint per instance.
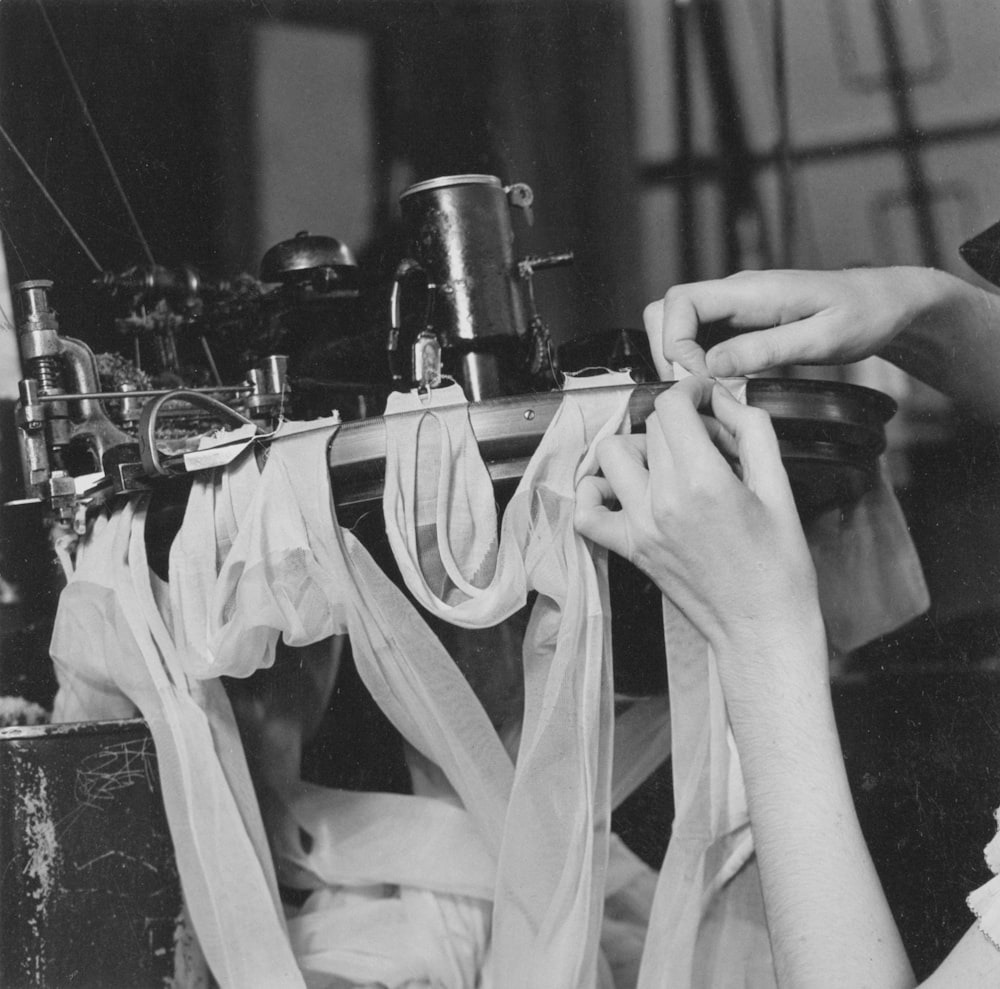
x,y
591,492
690,357
652,316
721,362
653,320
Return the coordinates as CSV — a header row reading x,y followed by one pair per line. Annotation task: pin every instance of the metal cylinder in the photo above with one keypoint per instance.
x,y
42,354
268,388
459,231
32,302
459,235
38,335
275,368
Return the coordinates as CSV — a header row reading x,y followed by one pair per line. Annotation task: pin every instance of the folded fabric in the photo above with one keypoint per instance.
x,y
499,870
297,574
441,523
261,555
83,636
226,875
869,575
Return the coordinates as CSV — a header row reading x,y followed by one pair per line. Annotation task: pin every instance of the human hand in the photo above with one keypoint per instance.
x,y
786,317
728,550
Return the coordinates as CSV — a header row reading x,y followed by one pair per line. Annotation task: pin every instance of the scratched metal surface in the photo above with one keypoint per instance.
x,y
89,893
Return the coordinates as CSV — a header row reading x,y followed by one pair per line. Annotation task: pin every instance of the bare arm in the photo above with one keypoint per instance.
x,y
731,554
939,328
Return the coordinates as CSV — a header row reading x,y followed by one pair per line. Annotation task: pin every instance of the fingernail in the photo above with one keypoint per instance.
x,y
721,364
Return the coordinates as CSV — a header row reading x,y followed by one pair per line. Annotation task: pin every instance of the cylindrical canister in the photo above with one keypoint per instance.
x,y
459,231
459,234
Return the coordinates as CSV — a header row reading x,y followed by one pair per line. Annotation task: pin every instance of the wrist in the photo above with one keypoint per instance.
x,y
775,670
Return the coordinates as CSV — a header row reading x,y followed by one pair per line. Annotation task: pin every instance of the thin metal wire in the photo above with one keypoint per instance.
x,y
8,323
45,192
211,359
97,137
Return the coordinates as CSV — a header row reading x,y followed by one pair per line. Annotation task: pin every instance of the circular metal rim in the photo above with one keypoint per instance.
x,y
449,180
851,419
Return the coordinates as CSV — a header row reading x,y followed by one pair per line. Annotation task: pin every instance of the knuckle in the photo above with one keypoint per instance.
x,y
674,294
662,514
768,351
678,297
704,486
653,312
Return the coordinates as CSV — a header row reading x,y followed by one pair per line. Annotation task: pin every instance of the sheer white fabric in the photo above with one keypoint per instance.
x,y
84,636
498,871
550,881
296,573
226,872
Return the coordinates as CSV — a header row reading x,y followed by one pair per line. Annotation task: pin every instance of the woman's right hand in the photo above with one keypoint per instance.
x,y
787,317
726,546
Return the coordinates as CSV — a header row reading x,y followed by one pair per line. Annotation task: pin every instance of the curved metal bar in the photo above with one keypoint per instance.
x,y
830,434
147,424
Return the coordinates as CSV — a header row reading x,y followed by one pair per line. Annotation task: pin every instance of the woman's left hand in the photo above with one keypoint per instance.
x,y
724,544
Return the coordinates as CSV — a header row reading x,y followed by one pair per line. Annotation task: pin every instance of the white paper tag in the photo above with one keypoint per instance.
x,y
220,448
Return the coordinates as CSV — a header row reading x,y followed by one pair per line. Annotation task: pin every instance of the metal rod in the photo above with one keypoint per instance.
x,y
786,177
154,393
45,192
706,167
211,360
687,206
97,137
919,191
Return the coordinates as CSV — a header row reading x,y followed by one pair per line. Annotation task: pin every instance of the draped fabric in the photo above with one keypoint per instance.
x,y
543,818
110,610
548,903
499,869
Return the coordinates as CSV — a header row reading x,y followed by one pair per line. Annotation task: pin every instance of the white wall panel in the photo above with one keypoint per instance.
x,y
313,134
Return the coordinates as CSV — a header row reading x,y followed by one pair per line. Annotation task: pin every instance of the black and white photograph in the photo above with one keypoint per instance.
x,y
499,494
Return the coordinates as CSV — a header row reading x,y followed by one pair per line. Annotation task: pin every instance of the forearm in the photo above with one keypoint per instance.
x,y
828,918
951,340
